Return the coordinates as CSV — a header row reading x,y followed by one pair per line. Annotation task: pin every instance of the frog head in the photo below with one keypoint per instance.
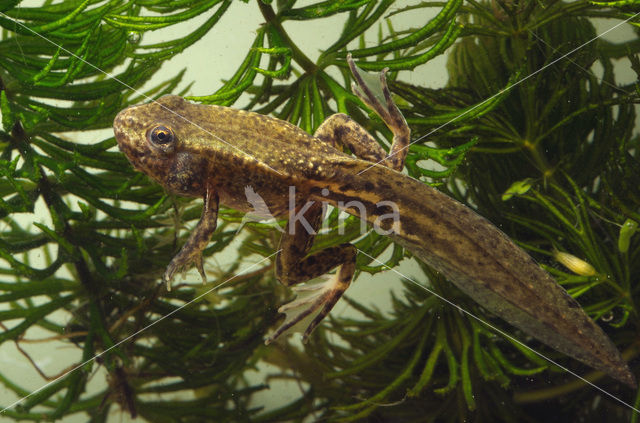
x,y
155,138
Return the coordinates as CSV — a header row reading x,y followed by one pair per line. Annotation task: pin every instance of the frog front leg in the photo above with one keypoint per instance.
x,y
191,252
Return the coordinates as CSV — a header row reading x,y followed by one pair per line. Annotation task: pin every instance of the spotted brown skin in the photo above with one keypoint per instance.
x,y
215,152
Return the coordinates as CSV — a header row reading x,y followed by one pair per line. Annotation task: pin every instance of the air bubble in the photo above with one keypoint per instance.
x,y
134,37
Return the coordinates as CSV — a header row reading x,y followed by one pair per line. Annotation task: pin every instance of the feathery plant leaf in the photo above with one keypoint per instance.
x,y
559,144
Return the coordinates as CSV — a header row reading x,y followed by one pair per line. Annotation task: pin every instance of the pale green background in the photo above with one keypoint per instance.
x,y
212,59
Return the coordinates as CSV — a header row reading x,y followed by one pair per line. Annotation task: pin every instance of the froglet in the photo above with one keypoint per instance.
x,y
217,152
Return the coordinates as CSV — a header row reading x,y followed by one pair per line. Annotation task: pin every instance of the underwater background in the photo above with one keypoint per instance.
x,y
523,110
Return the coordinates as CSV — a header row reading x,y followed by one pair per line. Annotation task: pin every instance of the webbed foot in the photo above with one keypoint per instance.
x,y
313,303
375,93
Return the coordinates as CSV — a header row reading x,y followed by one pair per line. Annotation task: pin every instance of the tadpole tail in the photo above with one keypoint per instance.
x,y
480,260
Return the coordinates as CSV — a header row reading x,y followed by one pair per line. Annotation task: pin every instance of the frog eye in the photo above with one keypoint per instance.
x,y
160,136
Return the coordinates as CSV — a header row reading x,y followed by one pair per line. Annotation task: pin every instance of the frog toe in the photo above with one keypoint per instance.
x,y
168,276
199,265
180,263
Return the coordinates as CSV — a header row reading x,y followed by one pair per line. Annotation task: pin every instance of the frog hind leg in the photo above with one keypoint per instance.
x,y
339,130
376,95
294,266
191,252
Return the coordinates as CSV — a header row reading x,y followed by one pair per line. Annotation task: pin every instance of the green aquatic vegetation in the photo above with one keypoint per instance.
x,y
527,131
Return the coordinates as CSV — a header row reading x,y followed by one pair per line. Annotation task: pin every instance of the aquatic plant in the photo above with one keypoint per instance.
x,y
527,131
